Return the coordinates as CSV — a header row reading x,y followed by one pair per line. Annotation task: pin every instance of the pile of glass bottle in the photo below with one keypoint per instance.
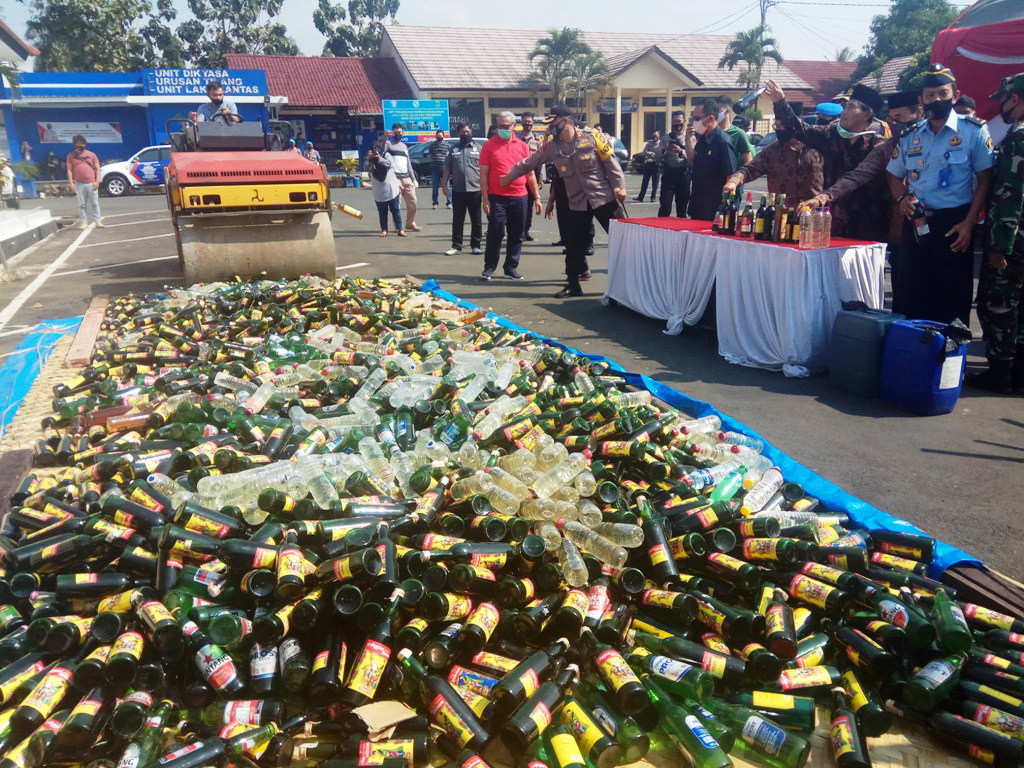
x,y
266,504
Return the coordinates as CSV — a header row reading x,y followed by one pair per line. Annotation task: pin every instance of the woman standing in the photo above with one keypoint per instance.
x,y
386,190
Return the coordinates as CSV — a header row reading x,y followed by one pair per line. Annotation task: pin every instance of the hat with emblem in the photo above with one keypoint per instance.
x,y
557,111
869,97
903,99
1009,85
936,76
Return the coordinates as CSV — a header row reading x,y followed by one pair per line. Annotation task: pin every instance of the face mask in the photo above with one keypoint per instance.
x,y
721,116
397,135
851,134
678,127
217,102
465,140
504,133
1006,114
938,110
783,135
902,129
700,129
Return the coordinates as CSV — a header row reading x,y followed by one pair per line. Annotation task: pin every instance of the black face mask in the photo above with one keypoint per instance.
x,y
783,135
216,102
1006,114
902,129
938,110
464,140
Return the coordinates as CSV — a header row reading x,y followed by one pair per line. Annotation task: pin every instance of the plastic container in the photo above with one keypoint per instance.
x,y
918,375
855,352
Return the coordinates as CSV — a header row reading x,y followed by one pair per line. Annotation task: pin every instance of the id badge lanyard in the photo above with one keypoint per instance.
x,y
946,174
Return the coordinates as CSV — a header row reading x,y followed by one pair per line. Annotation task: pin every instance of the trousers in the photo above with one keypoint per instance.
x,y
408,195
652,173
463,203
938,284
1001,308
396,213
675,185
88,200
580,227
505,222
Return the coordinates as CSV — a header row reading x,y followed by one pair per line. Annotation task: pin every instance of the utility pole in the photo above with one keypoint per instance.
x,y
765,5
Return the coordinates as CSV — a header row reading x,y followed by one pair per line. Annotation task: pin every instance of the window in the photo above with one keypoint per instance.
x,y
165,156
470,111
654,101
678,101
148,156
512,102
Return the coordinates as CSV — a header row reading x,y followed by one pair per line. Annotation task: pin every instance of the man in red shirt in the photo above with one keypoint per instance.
x,y
505,206
84,178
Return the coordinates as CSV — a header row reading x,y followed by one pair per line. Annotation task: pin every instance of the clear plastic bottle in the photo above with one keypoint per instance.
x,y
623,534
755,499
826,228
573,567
519,458
504,480
631,399
737,438
564,473
538,509
593,542
588,513
704,478
471,486
806,240
703,425
585,483
504,503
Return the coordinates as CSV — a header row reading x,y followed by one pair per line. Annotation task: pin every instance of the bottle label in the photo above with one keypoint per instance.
x,y
486,616
894,613
586,732
708,517
981,754
459,606
418,624
725,561
996,661
614,669
376,752
216,666
461,677
262,661
767,737
481,572
706,739
775,620
659,597
100,654
936,672
49,691
670,669
205,526
713,641
130,756
130,643
567,751
842,736
246,711
450,720
810,591
807,677
1001,721
369,668
606,719
577,601
760,549
343,569
88,707
541,716
775,701
988,617
264,558
494,662
709,615
713,663
597,602
289,562
154,612
320,661
997,694
289,648
530,682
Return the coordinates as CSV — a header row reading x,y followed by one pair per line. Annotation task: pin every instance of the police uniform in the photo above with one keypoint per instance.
x,y
940,168
1001,291
591,173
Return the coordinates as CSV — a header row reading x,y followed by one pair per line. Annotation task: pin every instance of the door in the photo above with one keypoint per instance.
x,y
608,121
147,167
653,121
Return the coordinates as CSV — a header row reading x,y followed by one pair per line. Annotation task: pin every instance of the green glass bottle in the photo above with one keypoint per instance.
x,y
782,747
794,712
933,683
686,731
951,628
849,747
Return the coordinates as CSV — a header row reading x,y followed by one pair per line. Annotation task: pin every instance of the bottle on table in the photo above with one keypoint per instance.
x,y
762,226
747,218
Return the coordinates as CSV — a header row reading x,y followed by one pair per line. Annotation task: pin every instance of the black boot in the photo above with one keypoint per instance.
x,y
996,378
1017,372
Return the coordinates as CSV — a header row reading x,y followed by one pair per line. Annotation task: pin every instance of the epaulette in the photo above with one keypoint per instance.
x,y
973,119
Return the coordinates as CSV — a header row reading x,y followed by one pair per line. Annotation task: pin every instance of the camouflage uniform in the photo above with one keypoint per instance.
x,y
1001,291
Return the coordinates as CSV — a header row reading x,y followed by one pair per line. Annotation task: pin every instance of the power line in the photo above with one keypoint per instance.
x,y
854,5
727,20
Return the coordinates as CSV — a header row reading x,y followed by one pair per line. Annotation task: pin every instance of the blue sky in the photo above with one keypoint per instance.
x,y
805,29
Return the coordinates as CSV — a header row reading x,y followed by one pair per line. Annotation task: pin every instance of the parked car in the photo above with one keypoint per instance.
x,y
767,141
421,160
143,169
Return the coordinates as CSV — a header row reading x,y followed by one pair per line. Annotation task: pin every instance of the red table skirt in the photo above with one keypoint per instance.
x,y
704,228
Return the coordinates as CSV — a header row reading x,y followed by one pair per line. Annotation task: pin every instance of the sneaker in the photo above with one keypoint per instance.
x,y
448,204
477,251
453,251
82,224
513,274
433,207
527,238
415,227
486,274
585,275
99,223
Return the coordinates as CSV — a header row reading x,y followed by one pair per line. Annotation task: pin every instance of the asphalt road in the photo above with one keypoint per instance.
x,y
959,476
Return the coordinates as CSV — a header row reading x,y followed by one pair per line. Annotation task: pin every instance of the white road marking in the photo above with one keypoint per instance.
x,y
353,266
135,213
16,331
18,301
129,240
108,266
136,223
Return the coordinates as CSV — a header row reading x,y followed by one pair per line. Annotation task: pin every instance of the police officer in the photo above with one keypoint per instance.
x,y
1001,287
594,186
946,162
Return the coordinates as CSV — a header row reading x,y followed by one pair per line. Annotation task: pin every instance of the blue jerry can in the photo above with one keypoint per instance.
x,y
918,374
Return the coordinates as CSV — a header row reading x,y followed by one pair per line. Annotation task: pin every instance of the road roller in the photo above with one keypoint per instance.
x,y
241,206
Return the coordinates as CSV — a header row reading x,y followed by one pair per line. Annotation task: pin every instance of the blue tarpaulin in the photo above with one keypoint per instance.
x,y
19,371
832,496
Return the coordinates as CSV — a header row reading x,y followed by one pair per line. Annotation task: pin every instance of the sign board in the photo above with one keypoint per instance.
x,y
607,106
94,133
421,119
192,82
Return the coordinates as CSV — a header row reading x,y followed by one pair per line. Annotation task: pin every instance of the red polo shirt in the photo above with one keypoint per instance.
x,y
499,156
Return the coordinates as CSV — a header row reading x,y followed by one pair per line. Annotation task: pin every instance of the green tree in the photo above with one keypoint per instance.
x,y
589,73
555,60
908,29
103,35
353,29
910,78
844,54
221,27
755,48
9,70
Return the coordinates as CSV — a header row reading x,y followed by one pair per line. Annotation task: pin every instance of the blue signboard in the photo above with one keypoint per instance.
x,y
192,82
421,119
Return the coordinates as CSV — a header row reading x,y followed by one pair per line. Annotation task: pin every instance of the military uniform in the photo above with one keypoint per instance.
x,y
940,168
1001,291
590,172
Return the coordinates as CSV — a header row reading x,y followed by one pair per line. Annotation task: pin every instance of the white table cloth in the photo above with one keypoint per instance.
x,y
775,305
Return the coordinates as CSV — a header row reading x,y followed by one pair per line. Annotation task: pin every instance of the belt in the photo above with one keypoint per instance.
x,y
938,211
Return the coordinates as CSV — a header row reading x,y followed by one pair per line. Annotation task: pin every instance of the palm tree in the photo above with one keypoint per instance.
x,y
589,73
844,54
554,58
753,47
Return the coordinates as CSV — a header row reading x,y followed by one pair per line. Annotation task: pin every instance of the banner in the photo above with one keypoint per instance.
x,y
420,119
94,133
192,82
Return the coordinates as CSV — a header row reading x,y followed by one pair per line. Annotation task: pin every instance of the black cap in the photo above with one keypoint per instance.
x,y
936,76
557,111
966,101
866,96
903,99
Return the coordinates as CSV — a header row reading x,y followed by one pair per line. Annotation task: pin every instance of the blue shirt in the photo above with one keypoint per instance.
x,y
209,111
922,156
